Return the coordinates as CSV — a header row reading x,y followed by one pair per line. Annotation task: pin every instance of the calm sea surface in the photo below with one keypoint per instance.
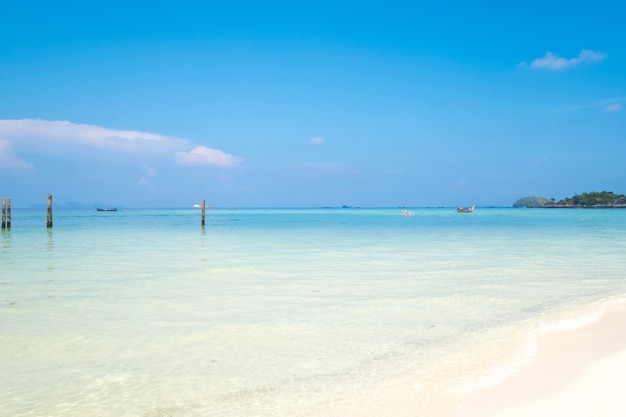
x,y
288,312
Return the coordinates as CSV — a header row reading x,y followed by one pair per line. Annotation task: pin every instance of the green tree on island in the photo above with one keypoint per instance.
x,y
591,199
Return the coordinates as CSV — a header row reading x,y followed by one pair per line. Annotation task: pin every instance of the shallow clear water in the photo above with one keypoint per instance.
x,y
276,312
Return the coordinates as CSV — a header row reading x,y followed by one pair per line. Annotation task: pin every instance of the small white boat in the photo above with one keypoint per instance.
x,y
466,210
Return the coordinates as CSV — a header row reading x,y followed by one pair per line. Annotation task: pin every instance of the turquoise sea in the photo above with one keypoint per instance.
x,y
289,312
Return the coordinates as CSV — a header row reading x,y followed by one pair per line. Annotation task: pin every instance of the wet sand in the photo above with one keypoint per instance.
x,y
576,373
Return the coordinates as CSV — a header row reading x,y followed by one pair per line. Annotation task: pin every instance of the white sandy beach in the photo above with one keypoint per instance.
x,y
577,373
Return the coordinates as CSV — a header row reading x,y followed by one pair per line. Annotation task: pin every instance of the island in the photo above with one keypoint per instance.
x,y
595,199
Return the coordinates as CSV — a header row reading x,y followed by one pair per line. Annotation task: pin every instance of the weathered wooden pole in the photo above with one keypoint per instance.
x,y
8,213
202,209
49,224
4,213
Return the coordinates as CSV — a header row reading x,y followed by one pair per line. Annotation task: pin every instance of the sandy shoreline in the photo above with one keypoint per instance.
x,y
577,373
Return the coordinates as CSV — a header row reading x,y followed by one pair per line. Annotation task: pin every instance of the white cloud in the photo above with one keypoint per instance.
x,y
553,62
53,137
8,157
201,155
90,135
317,141
613,107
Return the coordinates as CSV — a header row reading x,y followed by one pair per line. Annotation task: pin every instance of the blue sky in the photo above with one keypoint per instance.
x,y
310,104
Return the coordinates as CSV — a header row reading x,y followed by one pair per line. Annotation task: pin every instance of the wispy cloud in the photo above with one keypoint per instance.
x,y
149,170
609,105
146,185
317,141
540,161
53,137
84,134
613,107
553,62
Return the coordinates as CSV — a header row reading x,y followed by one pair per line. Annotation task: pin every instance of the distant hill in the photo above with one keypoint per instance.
x,y
591,199
531,202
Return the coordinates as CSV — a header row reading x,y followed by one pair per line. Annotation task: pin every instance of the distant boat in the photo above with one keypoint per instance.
x,y
199,206
466,210
106,209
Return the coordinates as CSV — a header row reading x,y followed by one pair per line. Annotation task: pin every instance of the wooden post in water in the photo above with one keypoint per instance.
x,y
4,213
202,208
49,224
9,213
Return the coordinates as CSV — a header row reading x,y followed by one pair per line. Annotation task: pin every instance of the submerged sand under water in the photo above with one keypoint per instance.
x,y
290,312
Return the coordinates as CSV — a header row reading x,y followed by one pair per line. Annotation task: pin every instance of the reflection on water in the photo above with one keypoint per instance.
x,y
50,249
50,253
6,240
5,258
50,242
